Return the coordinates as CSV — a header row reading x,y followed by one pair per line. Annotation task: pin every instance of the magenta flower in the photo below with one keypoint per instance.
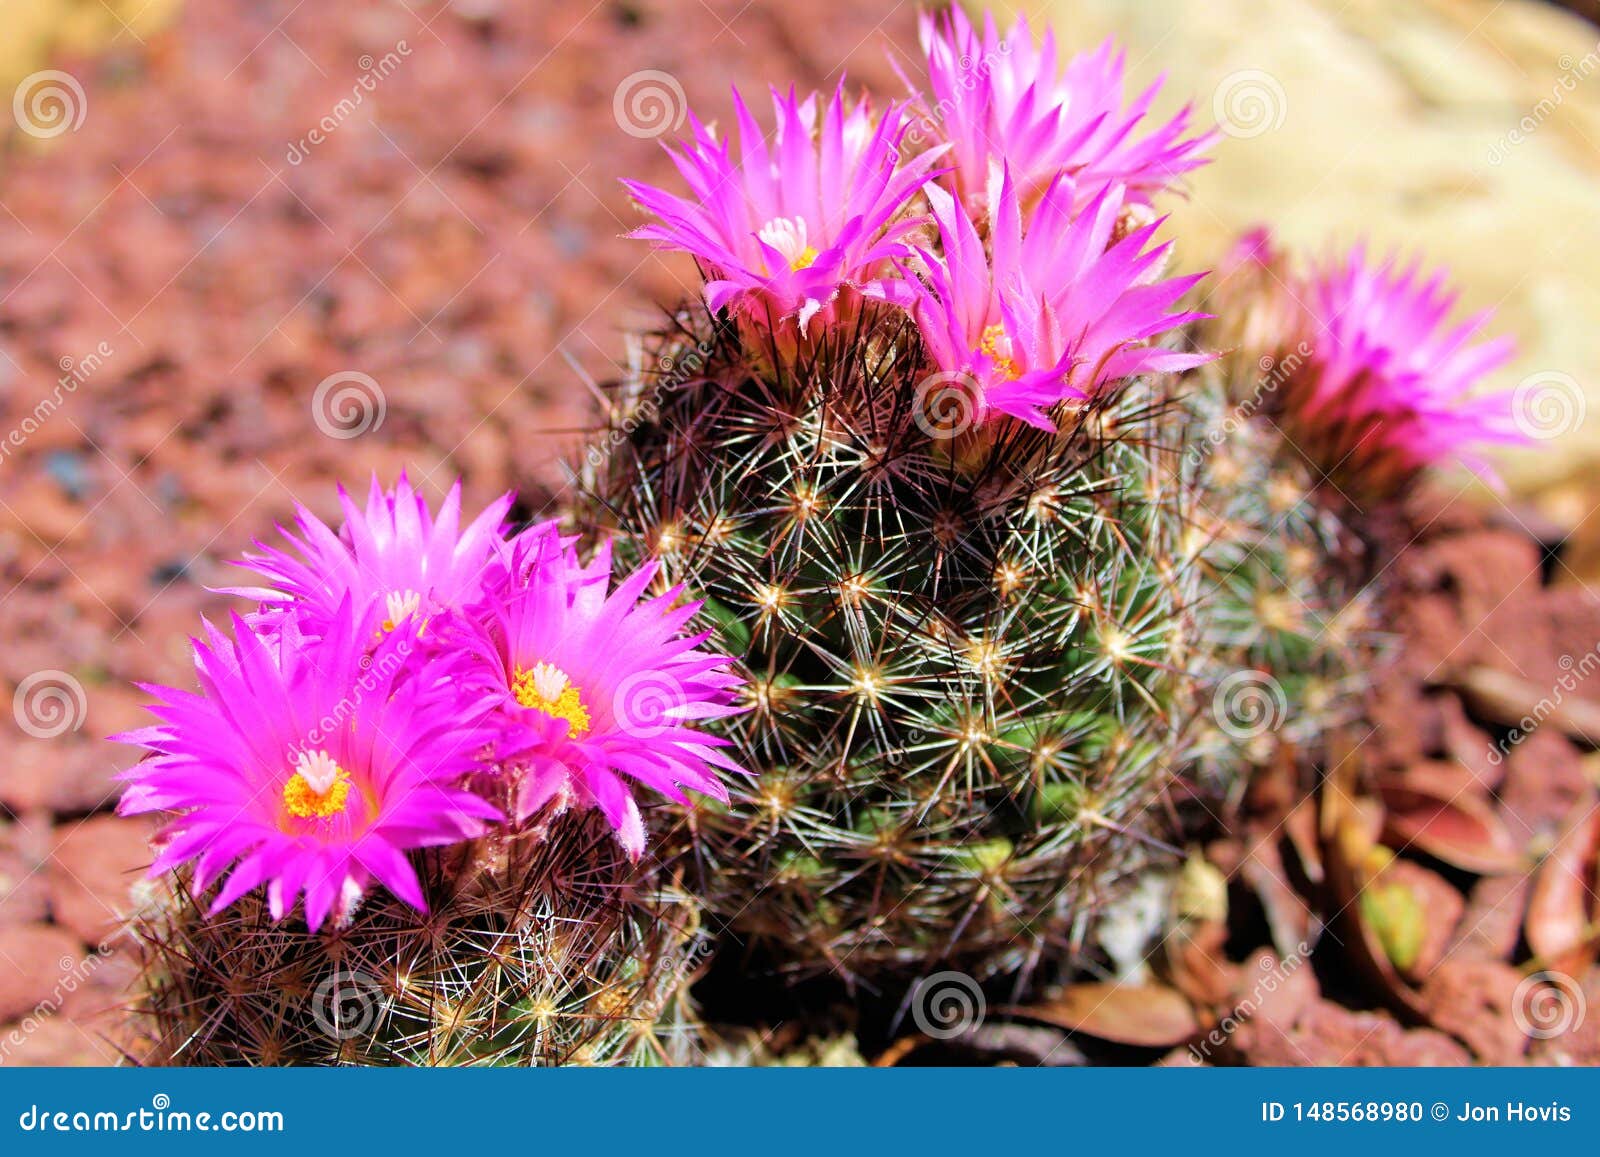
x,y
393,555
1001,102
310,766
783,232
1059,312
591,689
1389,386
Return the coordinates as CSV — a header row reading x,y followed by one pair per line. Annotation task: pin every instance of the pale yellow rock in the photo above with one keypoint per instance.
x,y
35,33
1468,130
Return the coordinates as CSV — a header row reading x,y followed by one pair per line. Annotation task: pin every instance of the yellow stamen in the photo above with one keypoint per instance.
x,y
546,688
996,343
788,236
319,787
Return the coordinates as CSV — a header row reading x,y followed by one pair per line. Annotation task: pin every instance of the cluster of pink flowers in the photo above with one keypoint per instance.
x,y
1042,287
1008,211
1380,384
406,683
1392,375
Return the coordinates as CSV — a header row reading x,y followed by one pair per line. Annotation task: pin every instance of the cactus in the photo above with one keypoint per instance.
x,y
968,680
402,764
1287,624
1340,391
535,951
918,450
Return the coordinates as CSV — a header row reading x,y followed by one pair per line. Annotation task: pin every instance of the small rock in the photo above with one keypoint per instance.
x,y
33,960
91,872
1471,1000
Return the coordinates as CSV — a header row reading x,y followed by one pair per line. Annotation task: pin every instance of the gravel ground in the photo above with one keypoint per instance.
x,y
181,271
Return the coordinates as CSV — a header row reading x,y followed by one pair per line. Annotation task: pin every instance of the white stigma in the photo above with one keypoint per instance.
x,y
318,769
400,605
788,236
548,681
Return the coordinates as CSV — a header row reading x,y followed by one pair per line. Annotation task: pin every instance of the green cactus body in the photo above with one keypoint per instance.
x,y
1288,619
968,655
534,952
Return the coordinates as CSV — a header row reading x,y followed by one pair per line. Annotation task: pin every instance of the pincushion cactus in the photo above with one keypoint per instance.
x,y
538,948
1341,387
968,682
947,528
397,768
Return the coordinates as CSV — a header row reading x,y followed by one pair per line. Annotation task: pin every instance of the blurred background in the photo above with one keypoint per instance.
x,y
251,248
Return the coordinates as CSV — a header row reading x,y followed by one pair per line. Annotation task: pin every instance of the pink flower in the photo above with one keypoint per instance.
x,y
1003,103
309,766
592,689
1389,386
394,555
782,233
1055,314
